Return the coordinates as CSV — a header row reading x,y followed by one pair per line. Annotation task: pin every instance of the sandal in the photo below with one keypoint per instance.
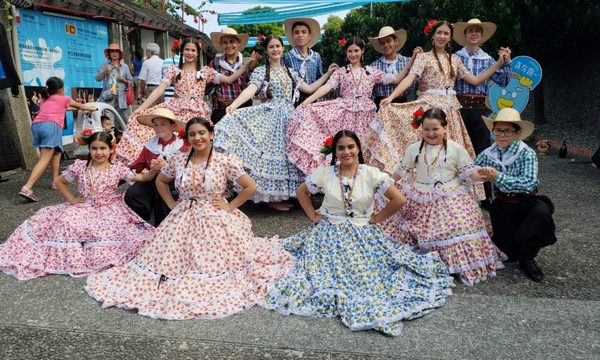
x,y
27,194
53,186
278,206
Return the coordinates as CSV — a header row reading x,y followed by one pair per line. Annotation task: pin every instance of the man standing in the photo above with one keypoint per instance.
x,y
521,219
151,72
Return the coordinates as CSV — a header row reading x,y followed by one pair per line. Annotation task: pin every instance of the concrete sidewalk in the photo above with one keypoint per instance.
x,y
505,317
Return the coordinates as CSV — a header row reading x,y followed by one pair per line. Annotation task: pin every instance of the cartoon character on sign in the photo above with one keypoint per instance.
x,y
526,75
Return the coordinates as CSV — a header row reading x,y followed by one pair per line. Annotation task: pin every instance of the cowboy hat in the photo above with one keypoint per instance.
x,y
510,115
113,46
148,119
389,31
216,36
313,26
489,29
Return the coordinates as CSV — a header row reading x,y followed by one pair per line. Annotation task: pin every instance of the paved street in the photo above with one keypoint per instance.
x,y
505,317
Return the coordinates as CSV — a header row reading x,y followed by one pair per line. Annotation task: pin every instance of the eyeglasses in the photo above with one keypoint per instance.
x,y
504,132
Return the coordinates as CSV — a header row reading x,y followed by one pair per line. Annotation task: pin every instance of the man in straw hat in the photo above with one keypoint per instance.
x,y
521,219
143,197
388,43
115,76
229,43
303,34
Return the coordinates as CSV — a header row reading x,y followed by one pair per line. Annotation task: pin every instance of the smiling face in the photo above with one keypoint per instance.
x,y
230,45
190,52
199,137
301,35
388,45
432,131
354,54
164,128
473,35
99,152
442,36
275,49
346,151
505,134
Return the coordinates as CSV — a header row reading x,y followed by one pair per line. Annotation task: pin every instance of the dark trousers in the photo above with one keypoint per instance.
x,y
217,114
143,198
522,229
479,135
596,158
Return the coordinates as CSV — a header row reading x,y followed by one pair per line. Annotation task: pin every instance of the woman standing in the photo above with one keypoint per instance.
x,y
257,134
116,78
190,81
345,266
204,261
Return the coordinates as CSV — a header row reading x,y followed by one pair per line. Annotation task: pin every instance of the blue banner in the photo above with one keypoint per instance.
x,y
70,49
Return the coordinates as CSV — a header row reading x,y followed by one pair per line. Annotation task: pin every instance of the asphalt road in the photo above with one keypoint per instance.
x,y
505,317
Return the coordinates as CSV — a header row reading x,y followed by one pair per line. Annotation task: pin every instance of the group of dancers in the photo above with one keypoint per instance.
x,y
398,218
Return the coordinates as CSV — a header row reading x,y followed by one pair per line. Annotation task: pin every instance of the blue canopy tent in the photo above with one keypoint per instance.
x,y
252,40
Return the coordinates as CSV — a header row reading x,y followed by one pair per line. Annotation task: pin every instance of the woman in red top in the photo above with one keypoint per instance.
x,y
47,132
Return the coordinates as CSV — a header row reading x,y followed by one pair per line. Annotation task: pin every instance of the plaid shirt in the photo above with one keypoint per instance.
x,y
501,76
390,67
521,176
228,91
314,66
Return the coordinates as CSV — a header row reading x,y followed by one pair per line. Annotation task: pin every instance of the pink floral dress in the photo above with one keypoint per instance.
x,y
78,239
187,103
310,125
204,262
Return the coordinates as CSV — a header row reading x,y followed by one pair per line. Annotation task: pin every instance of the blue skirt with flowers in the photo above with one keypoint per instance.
x,y
357,273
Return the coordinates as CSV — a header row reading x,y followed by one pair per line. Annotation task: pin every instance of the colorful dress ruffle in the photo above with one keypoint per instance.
x,y
204,262
347,267
78,239
257,135
441,214
187,103
310,125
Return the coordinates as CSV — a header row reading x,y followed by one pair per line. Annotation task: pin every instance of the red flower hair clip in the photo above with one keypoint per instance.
x,y
342,42
327,147
417,120
430,24
175,46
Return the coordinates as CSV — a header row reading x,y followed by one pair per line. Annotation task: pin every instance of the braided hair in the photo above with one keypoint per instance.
x,y
211,129
102,136
199,52
266,42
361,44
351,134
439,115
448,48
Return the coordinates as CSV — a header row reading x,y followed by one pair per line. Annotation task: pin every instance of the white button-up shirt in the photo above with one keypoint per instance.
x,y
151,71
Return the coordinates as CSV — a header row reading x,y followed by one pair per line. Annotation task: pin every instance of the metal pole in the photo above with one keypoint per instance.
x,y
182,12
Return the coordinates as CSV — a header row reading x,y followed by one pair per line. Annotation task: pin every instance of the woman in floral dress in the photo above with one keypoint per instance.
x,y
204,261
437,70
257,134
354,110
441,214
345,266
85,234
190,80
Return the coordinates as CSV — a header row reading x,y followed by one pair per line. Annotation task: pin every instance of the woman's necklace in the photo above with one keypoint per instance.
x,y
91,183
195,186
434,162
347,201
357,82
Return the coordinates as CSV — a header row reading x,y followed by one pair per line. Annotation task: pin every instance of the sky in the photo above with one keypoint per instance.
x,y
212,24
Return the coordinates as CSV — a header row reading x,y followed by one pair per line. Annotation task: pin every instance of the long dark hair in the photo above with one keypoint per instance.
x,y
448,47
199,51
53,85
346,133
268,67
439,115
102,136
211,129
361,44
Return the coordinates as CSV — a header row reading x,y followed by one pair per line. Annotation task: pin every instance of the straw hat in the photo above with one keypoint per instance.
x,y
489,29
313,25
216,36
113,46
148,119
510,115
388,31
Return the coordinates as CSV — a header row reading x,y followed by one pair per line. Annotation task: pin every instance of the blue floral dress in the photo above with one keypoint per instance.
x,y
346,267
257,135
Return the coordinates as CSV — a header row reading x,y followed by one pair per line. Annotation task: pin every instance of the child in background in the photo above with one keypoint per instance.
x,y
87,233
47,132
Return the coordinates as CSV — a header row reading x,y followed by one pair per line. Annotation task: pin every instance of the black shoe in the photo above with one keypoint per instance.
x,y
486,205
531,269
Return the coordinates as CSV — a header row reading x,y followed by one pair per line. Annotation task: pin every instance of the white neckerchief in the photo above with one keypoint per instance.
x,y
225,65
388,63
492,154
305,60
479,55
164,150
